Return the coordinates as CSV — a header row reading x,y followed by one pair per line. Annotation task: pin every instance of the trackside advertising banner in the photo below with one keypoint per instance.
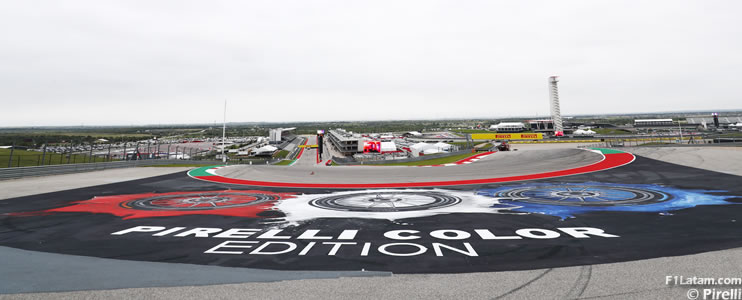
x,y
507,136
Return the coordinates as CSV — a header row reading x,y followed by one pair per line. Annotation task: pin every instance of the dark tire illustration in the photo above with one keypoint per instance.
x,y
583,195
386,201
200,201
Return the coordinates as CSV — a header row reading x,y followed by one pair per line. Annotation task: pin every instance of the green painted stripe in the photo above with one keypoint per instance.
x,y
202,171
608,151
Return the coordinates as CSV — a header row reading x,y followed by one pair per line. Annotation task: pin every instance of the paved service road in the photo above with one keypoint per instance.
x,y
720,159
47,184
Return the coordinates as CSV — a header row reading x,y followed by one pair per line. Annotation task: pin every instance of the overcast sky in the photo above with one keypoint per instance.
x,y
163,62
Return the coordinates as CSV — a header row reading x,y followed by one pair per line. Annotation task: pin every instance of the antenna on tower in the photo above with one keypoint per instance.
x,y
556,114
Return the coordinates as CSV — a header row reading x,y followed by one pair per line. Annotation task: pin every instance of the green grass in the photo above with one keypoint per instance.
x,y
610,131
23,158
281,154
284,162
434,161
178,165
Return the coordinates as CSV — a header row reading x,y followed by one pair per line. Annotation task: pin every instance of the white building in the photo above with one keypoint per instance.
x,y
274,134
265,150
653,122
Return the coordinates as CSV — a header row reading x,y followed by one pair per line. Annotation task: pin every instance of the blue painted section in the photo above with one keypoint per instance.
x,y
567,200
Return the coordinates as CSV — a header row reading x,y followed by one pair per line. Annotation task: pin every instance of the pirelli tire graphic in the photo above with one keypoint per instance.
x,y
583,195
386,201
200,201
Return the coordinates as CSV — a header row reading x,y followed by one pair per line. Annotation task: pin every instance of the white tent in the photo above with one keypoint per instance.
x,y
431,151
442,146
426,148
584,132
415,149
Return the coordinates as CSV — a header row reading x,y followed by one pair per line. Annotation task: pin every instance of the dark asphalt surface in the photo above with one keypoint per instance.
x,y
643,234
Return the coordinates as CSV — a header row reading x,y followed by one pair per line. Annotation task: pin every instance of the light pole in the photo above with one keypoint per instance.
x,y
224,131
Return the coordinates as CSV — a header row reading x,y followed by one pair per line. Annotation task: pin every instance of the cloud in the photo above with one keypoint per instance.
x,y
143,62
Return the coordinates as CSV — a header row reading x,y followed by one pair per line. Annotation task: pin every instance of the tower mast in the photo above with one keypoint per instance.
x,y
556,114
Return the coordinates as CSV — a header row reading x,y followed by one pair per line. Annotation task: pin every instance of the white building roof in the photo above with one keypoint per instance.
x,y
266,148
653,120
509,125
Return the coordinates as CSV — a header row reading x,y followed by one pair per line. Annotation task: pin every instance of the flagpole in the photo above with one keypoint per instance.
x,y
224,131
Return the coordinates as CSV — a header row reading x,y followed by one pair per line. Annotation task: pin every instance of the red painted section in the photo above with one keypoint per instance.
x,y
609,161
473,157
119,205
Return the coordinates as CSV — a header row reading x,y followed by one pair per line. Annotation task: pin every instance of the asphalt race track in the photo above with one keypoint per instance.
x,y
503,216
500,164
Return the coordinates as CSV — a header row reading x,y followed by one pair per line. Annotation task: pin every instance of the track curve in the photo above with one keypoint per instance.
x,y
497,168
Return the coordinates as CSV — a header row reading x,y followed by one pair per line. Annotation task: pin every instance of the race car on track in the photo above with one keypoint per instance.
x,y
503,146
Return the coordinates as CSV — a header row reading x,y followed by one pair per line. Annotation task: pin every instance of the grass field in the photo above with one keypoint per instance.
x,y
281,154
284,162
610,131
23,158
178,165
434,161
